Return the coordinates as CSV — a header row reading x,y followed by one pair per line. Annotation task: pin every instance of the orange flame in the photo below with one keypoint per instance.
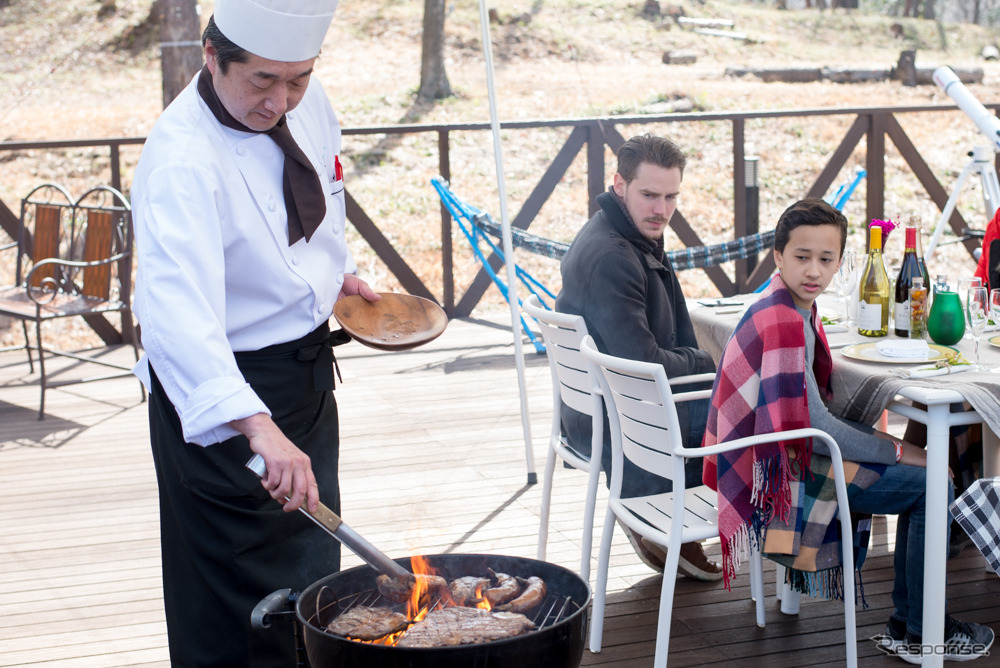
x,y
481,596
416,611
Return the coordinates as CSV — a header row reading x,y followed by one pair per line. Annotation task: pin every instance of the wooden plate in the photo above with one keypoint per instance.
x,y
396,322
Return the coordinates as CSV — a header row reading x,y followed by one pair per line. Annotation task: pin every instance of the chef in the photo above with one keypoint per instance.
x,y
238,204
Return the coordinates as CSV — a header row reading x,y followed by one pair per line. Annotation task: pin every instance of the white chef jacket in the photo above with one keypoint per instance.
x,y
215,271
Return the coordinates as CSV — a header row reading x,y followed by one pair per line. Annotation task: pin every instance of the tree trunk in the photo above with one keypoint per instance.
x,y
180,44
433,79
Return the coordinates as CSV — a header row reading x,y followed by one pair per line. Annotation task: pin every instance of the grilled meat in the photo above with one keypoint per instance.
x,y
504,588
464,626
365,623
399,592
464,590
531,596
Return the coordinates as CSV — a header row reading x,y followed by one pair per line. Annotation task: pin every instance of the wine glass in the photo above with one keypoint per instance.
x,y
847,282
964,285
977,310
995,307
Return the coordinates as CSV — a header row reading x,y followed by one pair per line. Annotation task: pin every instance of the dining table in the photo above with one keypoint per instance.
x,y
866,383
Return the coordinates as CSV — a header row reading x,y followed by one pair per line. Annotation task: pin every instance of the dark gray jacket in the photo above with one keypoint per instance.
x,y
630,298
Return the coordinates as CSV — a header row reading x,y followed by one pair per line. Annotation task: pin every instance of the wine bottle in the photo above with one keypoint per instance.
x,y
920,252
874,300
908,270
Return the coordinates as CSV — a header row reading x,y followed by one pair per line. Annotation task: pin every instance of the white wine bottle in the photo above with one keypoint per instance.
x,y
874,300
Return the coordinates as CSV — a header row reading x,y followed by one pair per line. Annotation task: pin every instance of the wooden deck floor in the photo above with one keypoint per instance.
x,y
432,461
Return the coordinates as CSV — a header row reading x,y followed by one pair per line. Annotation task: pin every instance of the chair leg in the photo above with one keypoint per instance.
x,y
667,603
543,521
601,584
41,367
757,585
27,346
594,478
790,599
135,348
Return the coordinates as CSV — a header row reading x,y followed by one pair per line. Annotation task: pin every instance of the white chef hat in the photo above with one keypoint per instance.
x,y
283,30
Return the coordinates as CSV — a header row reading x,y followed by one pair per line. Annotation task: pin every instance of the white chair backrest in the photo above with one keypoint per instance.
x,y
641,413
563,333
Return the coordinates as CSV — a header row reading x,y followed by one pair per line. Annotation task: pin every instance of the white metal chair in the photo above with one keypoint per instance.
x,y
644,428
573,384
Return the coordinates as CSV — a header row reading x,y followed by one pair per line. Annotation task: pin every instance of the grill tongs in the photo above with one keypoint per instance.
x,y
333,525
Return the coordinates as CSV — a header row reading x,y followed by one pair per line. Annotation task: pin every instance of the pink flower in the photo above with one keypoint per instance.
x,y
886,225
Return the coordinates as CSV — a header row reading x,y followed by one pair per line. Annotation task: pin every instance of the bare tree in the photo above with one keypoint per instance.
x,y
433,78
180,44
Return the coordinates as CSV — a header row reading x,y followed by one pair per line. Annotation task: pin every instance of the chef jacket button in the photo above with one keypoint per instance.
x,y
336,229
240,150
321,308
340,277
272,206
295,260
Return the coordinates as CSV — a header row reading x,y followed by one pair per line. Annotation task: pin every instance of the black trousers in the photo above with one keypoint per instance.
x,y
225,543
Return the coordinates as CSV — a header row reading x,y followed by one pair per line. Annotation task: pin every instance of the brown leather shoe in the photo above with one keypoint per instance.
x,y
651,554
695,564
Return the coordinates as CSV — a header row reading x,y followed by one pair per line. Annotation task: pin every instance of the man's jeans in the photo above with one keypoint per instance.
x,y
901,491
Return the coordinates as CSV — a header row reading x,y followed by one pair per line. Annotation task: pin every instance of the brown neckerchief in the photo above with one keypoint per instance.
x,y
305,203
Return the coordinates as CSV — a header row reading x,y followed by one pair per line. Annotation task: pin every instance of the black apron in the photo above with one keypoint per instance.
x,y
225,543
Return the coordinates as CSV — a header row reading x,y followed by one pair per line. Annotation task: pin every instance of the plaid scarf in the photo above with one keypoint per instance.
x,y
777,489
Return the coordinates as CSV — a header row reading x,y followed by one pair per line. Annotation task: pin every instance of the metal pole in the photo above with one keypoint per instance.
x,y
508,245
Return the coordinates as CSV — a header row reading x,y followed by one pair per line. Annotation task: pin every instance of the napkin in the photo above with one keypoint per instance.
x,y
909,348
835,329
932,370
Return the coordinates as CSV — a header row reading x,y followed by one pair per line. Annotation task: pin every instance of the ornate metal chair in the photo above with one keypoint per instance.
x,y
74,258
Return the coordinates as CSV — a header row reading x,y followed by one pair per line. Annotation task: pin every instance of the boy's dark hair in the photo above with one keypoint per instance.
x,y
225,50
648,148
810,211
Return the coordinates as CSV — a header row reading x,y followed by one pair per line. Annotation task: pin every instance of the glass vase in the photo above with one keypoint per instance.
x,y
946,321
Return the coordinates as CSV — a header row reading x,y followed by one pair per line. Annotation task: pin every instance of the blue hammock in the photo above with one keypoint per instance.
x,y
478,225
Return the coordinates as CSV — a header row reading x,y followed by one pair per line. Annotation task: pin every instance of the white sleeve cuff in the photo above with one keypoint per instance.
x,y
206,414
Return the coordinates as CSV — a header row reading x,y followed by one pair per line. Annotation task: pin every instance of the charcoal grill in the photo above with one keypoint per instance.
x,y
557,642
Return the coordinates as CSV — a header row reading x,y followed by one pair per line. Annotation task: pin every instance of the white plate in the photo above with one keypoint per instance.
x,y
867,352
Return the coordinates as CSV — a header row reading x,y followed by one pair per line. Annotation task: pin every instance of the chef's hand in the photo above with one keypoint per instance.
x,y
289,471
355,286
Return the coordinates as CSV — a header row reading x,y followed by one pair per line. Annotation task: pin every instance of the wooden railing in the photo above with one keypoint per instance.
x,y
590,136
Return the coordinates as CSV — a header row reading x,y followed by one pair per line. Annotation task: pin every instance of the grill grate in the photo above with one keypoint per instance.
x,y
554,609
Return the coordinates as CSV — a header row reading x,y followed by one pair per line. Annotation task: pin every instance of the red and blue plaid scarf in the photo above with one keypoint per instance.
x,y
760,388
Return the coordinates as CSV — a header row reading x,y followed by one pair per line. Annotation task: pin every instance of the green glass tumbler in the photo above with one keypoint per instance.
x,y
946,321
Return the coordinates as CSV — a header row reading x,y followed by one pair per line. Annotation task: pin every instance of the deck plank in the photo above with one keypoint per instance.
x,y
433,461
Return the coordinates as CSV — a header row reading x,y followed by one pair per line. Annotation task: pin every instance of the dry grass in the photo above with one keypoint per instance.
x,y
569,59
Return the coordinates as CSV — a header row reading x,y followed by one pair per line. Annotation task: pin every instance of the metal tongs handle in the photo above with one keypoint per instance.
x,y
333,525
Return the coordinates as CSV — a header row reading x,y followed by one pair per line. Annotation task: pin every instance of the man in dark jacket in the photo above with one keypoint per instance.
x,y
617,277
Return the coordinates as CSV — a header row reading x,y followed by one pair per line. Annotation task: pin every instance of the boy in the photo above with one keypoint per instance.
x,y
772,376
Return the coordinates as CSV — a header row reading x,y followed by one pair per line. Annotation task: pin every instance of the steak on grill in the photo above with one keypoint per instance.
x,y
365,623
400,592
465,626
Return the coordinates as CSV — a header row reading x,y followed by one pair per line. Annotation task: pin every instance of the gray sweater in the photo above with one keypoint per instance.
x,y
858,442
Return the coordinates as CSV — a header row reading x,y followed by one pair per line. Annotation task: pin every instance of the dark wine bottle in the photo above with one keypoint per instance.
x,y
908,270
920,252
